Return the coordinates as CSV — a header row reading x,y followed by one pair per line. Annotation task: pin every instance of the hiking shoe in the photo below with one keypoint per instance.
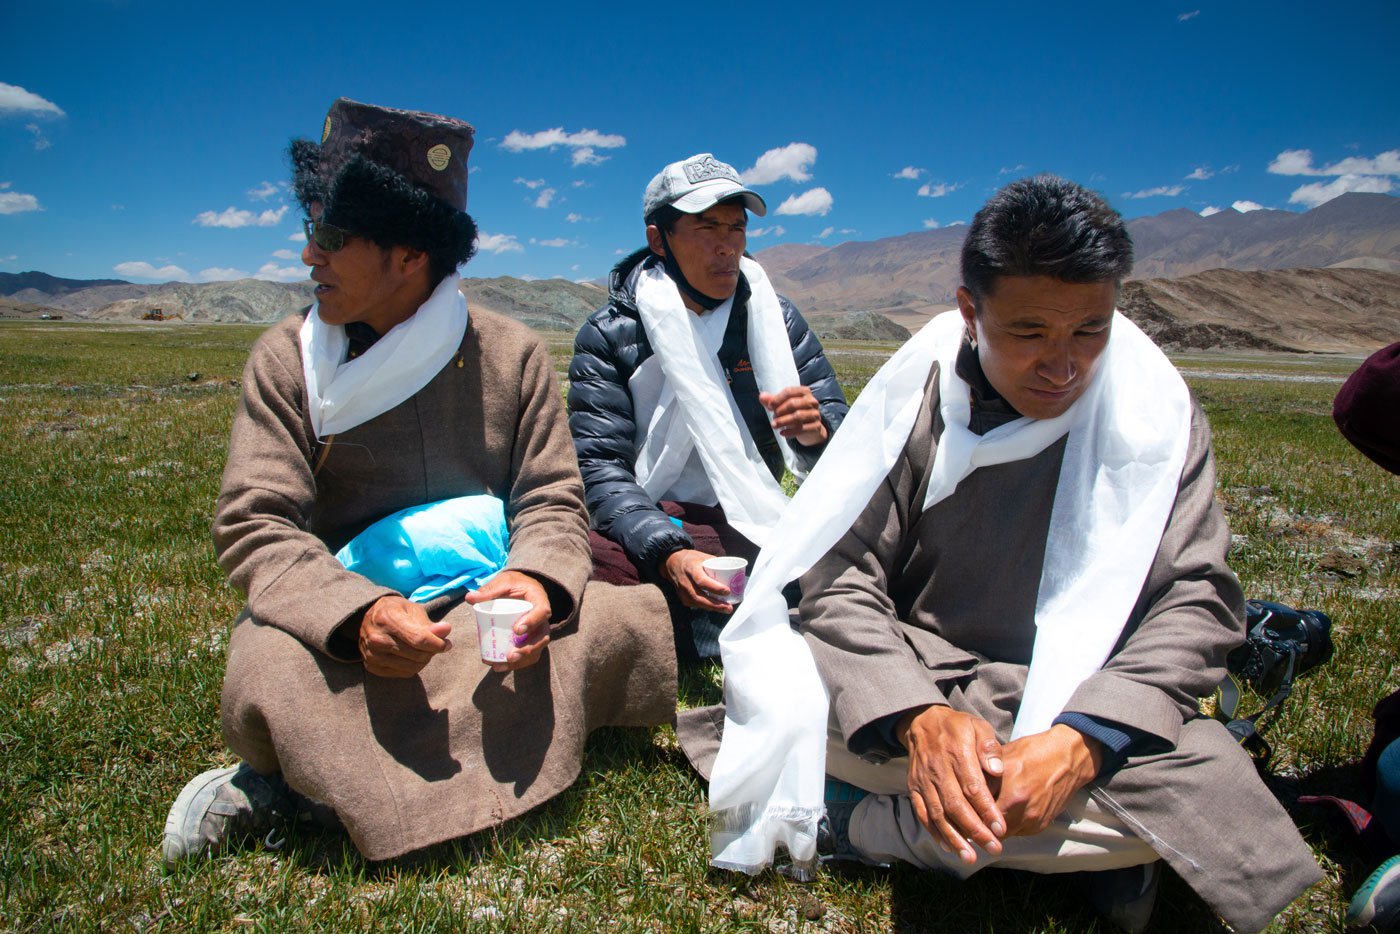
x,y
833,830
221,805
1124,896
1376,905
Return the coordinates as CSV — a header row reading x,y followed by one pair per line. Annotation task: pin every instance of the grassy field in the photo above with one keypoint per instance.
x,y
114,617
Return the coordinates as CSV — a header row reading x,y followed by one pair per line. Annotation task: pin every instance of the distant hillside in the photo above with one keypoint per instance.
x,y
1336,310
12,283
244,300
909,277
9,308
546,304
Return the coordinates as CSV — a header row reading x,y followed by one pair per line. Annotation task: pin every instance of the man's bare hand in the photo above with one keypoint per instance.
x,y
1040,774
796,414
397,638
532,629
952,757
695,587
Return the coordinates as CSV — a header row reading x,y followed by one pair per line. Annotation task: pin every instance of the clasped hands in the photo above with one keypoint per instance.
x,y
968,788
397,639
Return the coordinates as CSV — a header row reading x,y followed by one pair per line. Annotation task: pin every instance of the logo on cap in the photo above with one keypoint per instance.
x,y
708,168
326,133
439,156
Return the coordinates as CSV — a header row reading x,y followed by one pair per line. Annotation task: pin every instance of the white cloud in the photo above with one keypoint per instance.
x,y
791,161
826,232
1354,173
16,100
1183,17
262,192
517,141
144,270
578,183
776,230
1244,207
1322,192
1299,162
1018,167
1210,209
1162,191
553,242
1200,174
274,273
931,190
498,243
584,155
545,197
234,218
815,201
530,183
573,217
221,274
910,172
930,224
13,202
41,142
956,224
8,259
298,237
286,254
1293,162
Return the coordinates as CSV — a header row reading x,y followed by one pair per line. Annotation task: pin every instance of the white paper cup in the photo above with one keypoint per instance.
x,y
732,573
494,620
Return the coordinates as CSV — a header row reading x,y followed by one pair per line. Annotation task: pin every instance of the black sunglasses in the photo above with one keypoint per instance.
x,y
327,237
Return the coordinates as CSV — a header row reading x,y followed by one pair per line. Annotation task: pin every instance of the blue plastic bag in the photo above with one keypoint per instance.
x,y
425,551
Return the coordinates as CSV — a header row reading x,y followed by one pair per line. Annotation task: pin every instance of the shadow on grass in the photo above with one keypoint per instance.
x,y
610,752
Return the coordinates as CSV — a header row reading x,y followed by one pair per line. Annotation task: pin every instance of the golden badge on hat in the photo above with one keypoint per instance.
x,y
439,156
326,133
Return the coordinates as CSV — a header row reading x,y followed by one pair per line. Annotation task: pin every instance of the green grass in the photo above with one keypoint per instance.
x,y
114,616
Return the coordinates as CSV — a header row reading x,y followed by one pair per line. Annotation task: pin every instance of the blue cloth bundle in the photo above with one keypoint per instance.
x,y
425,551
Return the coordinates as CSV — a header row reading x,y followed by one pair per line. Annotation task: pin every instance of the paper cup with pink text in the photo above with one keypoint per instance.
x,y
494,619
732,573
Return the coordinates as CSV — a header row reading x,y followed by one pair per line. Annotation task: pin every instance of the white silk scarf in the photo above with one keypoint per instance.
x,y
695,410
1123,459
345,393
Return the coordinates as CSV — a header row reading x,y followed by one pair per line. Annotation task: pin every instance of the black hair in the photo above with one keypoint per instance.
x,y
1045,226
373,201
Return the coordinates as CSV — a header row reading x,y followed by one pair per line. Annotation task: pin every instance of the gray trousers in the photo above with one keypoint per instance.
x,y
884,828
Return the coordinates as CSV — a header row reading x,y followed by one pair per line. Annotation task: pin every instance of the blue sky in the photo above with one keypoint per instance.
x,y
145,140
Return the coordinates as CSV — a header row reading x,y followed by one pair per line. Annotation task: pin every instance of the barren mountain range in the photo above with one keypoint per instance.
x,y
1325,280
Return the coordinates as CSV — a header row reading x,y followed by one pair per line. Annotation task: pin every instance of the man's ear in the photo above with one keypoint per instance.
x,y
654,240
409,260
968,309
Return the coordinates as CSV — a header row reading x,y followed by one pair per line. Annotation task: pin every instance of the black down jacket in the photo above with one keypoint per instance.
x,y
609,348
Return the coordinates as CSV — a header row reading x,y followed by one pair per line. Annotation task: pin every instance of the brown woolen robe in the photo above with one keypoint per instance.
x,y
914,607
408,762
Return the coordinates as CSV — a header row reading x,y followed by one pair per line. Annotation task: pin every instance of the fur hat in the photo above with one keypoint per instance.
x,y
396,177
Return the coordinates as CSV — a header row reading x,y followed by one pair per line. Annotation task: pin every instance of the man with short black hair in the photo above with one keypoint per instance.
x,y
691,393
394,461
1017,610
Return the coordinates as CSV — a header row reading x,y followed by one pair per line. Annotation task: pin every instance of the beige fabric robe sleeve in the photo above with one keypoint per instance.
x,y
510,438
881,650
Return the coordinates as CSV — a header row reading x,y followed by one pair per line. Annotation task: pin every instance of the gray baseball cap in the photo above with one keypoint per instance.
x,y
697,183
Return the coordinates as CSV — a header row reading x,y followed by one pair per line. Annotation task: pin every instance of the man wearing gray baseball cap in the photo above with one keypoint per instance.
x,y
692,393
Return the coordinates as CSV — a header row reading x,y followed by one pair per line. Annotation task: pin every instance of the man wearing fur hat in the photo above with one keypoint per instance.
x,y
691,393
396,459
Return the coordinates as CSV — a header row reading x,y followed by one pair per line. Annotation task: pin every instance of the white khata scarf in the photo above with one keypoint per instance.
x,y
1126,447
695,410
345,393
